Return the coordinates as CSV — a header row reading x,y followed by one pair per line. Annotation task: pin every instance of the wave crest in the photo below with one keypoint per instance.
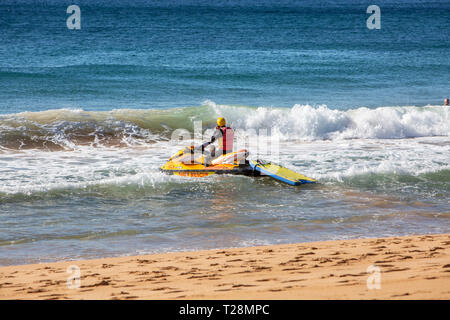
x,y
69,128
306,122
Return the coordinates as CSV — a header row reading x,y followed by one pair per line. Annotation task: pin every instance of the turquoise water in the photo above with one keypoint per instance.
x,y
87,116
175,54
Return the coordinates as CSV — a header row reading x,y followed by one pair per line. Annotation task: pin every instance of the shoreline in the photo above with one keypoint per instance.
x,y
406,267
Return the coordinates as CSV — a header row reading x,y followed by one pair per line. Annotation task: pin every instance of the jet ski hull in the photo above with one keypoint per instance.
x,y
245,169
191,165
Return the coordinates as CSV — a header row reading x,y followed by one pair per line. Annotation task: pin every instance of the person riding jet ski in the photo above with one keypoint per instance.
x,y
224,136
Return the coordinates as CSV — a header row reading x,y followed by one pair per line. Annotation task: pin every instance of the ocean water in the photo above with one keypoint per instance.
x,y
87,118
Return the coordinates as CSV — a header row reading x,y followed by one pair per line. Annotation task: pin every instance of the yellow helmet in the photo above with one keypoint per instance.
x,y
221,122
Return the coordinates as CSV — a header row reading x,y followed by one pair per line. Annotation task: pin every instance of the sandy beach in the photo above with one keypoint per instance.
x,y
411,267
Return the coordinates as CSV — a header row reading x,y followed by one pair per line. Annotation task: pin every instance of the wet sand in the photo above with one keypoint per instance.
x,y
412,267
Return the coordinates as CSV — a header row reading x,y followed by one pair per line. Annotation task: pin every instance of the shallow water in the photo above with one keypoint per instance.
x,y
103,202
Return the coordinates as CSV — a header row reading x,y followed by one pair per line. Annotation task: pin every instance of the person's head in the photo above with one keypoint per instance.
x,y
446,102
221,122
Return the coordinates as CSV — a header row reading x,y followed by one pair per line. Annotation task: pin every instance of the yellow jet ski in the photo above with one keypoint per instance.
x,y
191,164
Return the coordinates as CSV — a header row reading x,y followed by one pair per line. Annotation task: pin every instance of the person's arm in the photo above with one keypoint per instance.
x,y
214,137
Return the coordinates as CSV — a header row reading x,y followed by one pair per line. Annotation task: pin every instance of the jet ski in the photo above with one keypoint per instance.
x,y
189,162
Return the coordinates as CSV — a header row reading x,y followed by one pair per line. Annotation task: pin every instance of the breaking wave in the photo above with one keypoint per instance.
x,y
65,129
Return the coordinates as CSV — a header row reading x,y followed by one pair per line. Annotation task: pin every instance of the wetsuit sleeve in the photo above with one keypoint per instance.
x,y
214,137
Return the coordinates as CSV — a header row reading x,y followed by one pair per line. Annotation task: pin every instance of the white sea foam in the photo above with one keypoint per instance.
x,y
32,171
306,122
